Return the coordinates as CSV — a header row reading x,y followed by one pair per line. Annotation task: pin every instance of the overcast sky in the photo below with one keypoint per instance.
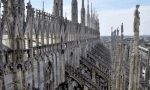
x,y
111,13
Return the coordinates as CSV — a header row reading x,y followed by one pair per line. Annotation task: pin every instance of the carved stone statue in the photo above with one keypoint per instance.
x,y
136,19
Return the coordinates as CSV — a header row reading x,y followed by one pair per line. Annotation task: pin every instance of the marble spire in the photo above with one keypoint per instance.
x,y
75,11
83,13
58,8
135,61
88,14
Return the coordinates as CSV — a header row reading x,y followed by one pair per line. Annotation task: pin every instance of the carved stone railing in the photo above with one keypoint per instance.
x,y
32,53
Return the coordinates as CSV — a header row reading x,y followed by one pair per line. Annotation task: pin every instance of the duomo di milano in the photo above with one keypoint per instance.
x,y
42,51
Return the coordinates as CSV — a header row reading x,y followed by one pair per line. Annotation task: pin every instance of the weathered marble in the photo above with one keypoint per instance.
x,y
135,61
42,51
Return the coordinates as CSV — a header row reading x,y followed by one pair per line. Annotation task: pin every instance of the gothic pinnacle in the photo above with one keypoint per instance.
x,y
75,11
83,13
43,6
122,28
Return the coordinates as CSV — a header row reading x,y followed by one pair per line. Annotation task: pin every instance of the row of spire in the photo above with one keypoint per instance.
x,y
90,20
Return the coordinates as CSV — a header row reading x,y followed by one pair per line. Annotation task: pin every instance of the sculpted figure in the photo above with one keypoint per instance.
x,y
136,19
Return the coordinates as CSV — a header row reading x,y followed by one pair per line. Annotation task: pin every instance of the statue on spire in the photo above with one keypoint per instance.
x,y
136,19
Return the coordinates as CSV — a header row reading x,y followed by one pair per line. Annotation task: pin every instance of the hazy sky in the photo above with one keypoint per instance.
x,y
111,13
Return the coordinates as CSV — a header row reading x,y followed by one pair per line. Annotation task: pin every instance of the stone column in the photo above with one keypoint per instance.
x,y
85,88
147,77
55,69
24,79
1,34
55,33
149,68
42,34
48,33
1,83
19,83
38,72
93,76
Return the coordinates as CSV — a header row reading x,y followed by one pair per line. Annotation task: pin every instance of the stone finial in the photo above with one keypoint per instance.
x,y
91,9
43,6
111,29
117,31
122,28
137,6
82,3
